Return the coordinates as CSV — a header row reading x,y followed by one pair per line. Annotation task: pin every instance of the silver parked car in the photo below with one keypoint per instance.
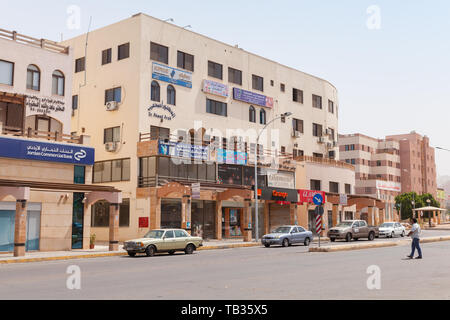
x,y
287,235
392,229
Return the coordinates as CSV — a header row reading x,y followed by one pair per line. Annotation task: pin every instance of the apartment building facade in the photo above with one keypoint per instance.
x,y
377,167
167,107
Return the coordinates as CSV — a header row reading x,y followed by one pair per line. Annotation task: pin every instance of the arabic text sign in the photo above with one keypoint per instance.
x,y
252,98
172,75
308,195
280,180
44,105
216,88
389,185
231,157
42,151
184,150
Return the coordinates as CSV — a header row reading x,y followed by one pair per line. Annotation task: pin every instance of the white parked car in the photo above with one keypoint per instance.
x,y
391,229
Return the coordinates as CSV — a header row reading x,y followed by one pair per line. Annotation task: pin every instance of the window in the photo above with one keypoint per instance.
x,y
6,72
106,56
159,133
297,124
235,76
155,91
180,234
348,188
100,214
79,174
297,153
215,70
317,130
114,94
111,171
282,87
317,155
252,114
111,135
378,163
80,64
331,133
185,61
159,52
169,234
334,187
297,95
330,106
257,83
58,83
353,161
123,51
216,107
262,116
317,101
315,184
271,83
75,102
171,95
33,78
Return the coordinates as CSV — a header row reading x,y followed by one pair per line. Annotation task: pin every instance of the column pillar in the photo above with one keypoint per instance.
x,y
376,214
357,215
266,217
218,220
87,227
334,214
183,212
114,210
439,217
247,220
155,212
20,228
292,216
303,212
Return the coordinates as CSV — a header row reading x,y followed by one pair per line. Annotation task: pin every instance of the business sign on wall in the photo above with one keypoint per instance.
x,y
231,157
280,180
44,105
42,151
279,194
389,186
171,75
252,98
216,88
184,150
307,196
161,111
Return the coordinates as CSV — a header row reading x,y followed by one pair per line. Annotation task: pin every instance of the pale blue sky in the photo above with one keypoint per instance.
x,y
392,80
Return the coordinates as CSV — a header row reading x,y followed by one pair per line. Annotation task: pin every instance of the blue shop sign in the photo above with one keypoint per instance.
x,y
171,75
184,150
252,98
42,151
231,157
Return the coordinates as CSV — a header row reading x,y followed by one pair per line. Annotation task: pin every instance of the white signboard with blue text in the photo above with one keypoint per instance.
x,y
43,151
171,75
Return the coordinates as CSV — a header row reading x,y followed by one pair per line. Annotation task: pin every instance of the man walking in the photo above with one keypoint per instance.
x,y
415,235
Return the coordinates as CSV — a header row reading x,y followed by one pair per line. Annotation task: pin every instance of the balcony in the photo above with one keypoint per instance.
x,y
41,43
325,161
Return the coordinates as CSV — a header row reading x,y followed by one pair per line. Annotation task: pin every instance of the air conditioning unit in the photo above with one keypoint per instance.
x,y
111,146
322,139
111,105
296,134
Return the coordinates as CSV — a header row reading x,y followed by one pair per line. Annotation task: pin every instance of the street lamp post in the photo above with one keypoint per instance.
x,y
286,114
429,215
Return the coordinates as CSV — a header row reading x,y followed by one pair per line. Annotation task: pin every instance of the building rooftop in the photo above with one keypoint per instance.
x,y
39,43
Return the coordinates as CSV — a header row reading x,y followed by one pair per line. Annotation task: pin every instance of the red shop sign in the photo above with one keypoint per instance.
x,y
143,222
307,195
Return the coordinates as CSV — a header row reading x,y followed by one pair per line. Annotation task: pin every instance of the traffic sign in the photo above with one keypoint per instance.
x,y
318,224
317,199
318,211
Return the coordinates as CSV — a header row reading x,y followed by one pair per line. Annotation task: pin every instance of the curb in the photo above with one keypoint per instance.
x,y
375,245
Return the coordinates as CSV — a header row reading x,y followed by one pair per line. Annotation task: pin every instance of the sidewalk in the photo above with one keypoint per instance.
x,y
102,251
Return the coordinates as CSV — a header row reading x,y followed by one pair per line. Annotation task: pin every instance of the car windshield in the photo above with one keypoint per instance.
x,y
387,225
282,230
345,224
154,234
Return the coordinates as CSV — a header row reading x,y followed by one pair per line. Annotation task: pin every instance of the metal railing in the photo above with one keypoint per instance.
x,y
42,43
36,134
326,161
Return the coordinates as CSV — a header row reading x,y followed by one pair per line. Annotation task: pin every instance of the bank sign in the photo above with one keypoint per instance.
x,y
42,151
252,98
171,75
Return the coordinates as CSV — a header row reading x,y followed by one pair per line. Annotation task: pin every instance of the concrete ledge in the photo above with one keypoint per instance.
x,y
231,245
435,239
347,247
95,255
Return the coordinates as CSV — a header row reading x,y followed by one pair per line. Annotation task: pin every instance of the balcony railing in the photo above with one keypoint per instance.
x,y
36,134
325,161
42,43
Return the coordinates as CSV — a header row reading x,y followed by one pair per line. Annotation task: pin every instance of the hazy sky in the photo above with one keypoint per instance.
x,y
392,79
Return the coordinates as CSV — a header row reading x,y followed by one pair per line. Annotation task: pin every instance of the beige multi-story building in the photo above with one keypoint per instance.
x,y
167,107
377,166
418,163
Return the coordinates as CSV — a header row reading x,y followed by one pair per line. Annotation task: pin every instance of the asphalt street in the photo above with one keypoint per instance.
x,y
240,273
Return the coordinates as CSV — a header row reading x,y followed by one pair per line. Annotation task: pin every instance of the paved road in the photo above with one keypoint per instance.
x,y
243,273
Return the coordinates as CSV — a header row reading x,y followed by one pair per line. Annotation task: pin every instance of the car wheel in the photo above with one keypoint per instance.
x,y
267,245
348,237
332,239
371,236
150,251
285,243
403,233
189,249
131,254
307,242
171,252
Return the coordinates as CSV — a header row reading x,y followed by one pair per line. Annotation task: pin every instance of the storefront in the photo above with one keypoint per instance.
x,y
170,213
203,214
280,202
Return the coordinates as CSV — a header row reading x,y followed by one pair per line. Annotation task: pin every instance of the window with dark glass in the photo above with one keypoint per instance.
x,y
215,70
80,64
185,61
58,83
272,83
111,171
6,72
159,52
75,102
159,133
317,130
114,94
171,95
315,185
100,213
33,78
257,82
330,106
297,125
348,188
252,114
317,101
282,87
297,152
123,51
106,56
235,76
334,187
216,107
79,174
297,95
111,135
317,155
262,116
155,91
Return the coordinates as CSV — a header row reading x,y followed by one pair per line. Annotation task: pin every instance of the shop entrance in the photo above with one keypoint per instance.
x,y
232,222
7,224
170,213
202,215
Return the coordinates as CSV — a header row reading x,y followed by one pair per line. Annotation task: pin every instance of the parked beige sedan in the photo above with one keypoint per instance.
x,y
163,240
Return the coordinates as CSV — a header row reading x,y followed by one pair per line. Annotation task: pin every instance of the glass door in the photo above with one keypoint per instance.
x,y
7,218
77,220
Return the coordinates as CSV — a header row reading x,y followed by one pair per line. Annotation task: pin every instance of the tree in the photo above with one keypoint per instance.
x,y
404,202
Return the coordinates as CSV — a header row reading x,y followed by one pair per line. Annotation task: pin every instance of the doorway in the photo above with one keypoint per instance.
x,y
232,222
